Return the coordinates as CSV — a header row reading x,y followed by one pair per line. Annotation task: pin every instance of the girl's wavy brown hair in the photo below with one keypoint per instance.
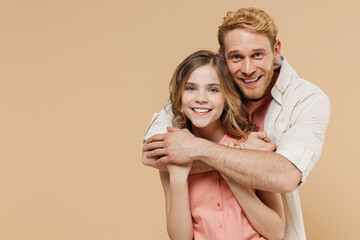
x,y
234,117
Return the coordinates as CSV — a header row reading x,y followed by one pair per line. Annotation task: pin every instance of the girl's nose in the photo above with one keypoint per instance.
x,y
201,97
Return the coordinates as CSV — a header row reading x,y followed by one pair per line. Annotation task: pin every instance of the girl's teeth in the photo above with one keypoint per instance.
x,y
201,110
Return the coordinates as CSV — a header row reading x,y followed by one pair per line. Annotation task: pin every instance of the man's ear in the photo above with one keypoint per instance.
x,y
220,51
277,50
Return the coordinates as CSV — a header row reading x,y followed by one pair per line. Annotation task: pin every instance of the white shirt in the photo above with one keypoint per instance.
x,y
295,122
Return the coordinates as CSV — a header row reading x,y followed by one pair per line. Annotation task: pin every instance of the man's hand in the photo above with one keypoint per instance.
x,y
259,141
178,146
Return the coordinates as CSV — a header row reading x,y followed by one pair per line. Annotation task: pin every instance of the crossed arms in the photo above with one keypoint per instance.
x,y
263,209
256,169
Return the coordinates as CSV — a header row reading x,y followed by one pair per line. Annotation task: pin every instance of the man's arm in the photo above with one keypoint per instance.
x,y
197,166
298,150
262,170
159,122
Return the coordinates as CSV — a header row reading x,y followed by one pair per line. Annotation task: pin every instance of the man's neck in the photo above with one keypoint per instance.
x,y
271,85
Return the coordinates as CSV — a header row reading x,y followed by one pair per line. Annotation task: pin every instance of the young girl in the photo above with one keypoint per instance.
x,y
207,206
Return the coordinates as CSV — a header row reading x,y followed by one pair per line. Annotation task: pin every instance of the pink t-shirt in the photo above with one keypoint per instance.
x,y
215,212
257,110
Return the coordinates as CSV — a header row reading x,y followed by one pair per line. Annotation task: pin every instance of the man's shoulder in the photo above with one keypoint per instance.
x,y
305,86
298,86
159,122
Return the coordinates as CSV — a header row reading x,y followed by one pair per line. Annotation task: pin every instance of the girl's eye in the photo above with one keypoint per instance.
x,y
189,88
214,90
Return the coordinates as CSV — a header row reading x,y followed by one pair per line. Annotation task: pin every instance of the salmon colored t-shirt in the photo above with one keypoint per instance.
x,y
257,109
215,212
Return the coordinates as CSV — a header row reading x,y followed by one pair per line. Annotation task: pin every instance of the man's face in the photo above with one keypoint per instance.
x,y
250,58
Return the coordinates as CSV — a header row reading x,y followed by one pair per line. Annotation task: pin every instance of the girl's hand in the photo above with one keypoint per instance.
x,y
179,171
259,141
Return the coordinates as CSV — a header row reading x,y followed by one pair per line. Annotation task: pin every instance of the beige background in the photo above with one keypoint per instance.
x,y
80,79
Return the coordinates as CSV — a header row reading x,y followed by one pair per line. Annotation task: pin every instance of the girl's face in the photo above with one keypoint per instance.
x,y
202,101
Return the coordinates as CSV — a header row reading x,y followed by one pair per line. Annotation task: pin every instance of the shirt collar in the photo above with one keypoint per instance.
x,y
285,75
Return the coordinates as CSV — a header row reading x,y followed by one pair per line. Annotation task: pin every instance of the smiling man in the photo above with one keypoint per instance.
x,y
293,112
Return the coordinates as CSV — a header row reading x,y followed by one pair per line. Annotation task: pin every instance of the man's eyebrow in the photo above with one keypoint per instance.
x,y
252,50
258,50
234,51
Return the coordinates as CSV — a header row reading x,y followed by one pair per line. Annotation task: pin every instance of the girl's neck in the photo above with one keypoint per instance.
x,y
211,133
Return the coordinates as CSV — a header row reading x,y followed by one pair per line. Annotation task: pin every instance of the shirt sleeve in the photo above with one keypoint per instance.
x,y
159,122
302,142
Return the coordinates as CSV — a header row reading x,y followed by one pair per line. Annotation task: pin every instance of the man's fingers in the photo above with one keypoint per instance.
x,y
171,129
163,160
156,153
157,137
153,145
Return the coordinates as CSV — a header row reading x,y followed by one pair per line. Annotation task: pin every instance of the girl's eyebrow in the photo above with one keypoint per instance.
x,y
190,83
211,84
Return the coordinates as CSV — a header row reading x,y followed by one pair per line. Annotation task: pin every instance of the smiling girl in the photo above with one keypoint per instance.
x,y
209,205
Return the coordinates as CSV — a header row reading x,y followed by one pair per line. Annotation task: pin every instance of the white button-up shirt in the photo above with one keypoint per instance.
x,y
295,122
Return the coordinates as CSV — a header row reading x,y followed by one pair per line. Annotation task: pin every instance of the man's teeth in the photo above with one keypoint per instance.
x,y
251,80
202,110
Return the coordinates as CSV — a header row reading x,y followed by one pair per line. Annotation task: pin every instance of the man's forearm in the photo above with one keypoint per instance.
x,y
262,170
197,167
200,167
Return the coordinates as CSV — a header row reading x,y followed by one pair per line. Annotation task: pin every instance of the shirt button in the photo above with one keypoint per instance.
x,y
218,204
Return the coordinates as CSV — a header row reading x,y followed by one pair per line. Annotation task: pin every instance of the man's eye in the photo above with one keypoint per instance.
x,y
235,58
258,55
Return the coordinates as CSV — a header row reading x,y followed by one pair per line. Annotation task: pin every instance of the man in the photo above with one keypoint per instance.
x,y
292,111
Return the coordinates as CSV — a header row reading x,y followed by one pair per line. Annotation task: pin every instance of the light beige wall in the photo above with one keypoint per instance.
x,y
79,81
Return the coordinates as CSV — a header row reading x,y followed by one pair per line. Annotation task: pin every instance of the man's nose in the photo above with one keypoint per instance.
x,y
248,67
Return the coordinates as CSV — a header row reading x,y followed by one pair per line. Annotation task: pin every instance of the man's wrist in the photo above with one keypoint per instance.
x,y
202,149
199,149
